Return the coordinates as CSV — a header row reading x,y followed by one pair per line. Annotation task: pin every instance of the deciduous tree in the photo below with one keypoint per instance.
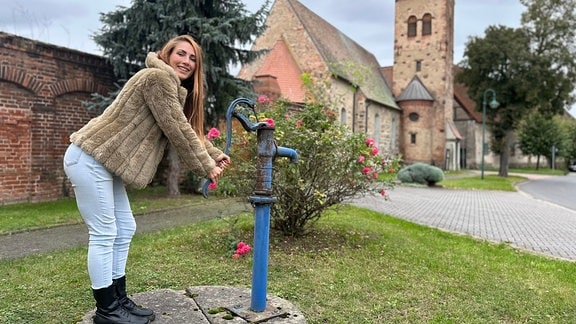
x,y
499,62
551,27
530,68
538,135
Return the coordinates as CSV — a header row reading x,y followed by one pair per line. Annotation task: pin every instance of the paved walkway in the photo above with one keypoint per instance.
x,y
511,217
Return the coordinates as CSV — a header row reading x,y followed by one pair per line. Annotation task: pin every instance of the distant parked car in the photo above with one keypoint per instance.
x,y
572,167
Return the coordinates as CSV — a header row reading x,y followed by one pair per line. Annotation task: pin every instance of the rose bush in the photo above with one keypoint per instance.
x,y
334,164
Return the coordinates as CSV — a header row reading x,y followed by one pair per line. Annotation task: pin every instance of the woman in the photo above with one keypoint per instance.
x,y
160,105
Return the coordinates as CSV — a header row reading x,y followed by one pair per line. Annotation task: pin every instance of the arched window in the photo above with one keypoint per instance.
x,y
343,116
427,24
412,26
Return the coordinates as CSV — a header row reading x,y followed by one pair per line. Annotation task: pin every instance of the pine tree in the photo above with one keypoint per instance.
x,y
223,28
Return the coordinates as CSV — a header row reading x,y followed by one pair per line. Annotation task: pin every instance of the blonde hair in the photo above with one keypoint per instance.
x,y
194,105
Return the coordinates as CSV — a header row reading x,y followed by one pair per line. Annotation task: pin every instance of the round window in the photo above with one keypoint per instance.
x,y
413,116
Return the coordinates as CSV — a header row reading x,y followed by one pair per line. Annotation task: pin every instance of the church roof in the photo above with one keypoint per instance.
x,y
453,131
415,91
461,95
280,63
336,49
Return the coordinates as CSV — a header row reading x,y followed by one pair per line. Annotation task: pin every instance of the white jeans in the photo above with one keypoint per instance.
x,y
103,203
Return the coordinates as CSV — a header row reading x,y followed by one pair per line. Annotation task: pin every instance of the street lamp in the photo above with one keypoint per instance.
x,y
493,104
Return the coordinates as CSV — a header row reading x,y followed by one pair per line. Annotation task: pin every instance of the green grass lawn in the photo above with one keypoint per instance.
x,y
490,182
547,171
466,179
357,266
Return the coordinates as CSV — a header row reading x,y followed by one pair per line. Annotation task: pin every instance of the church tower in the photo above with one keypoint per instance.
x,y
423,80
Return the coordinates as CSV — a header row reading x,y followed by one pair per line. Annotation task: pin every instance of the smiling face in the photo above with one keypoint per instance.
x,y
183,60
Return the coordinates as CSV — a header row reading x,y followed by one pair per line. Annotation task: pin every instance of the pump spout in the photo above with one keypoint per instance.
x,y
287,152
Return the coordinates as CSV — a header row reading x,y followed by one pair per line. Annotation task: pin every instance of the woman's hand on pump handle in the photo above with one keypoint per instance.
x,y
215,174
223,161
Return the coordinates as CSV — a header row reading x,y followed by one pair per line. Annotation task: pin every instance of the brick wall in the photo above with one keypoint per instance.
x,y
42,88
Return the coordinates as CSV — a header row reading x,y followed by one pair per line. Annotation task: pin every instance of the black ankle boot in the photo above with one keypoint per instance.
x,y
110,311
130,305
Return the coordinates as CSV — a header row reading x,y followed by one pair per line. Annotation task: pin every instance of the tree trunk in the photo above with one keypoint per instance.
x,y
173,176
505,155
538,162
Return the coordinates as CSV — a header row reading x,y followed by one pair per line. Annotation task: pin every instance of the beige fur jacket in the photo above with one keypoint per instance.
x,y
130,137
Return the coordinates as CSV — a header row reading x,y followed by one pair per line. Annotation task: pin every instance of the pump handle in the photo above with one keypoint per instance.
x,y
248,125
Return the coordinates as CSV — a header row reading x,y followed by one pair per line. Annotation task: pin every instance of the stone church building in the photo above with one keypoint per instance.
x,y
413,107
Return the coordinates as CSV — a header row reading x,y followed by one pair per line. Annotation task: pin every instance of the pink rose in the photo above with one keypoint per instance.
x,y
361,159
270,122
212,186
245,249
369,142
263,99
366,170
213,133
374,150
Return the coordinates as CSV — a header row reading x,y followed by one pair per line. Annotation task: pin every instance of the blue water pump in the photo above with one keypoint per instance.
x,y
261,199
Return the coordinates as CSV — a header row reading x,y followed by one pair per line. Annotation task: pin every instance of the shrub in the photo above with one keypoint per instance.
x,y
421,173
334,164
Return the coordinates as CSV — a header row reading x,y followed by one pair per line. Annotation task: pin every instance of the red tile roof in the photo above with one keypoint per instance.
x,y
280,63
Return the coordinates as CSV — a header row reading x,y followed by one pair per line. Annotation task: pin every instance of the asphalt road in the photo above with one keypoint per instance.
x,y
557,190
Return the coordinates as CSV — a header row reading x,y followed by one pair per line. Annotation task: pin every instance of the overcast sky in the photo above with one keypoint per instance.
x,y
70,23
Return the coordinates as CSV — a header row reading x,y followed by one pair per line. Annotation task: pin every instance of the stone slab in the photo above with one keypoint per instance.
x,y
170,306
229,305
237,300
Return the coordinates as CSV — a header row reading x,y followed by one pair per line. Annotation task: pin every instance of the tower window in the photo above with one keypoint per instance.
x,y
412,138
418,65
427,24
412,26
414,116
